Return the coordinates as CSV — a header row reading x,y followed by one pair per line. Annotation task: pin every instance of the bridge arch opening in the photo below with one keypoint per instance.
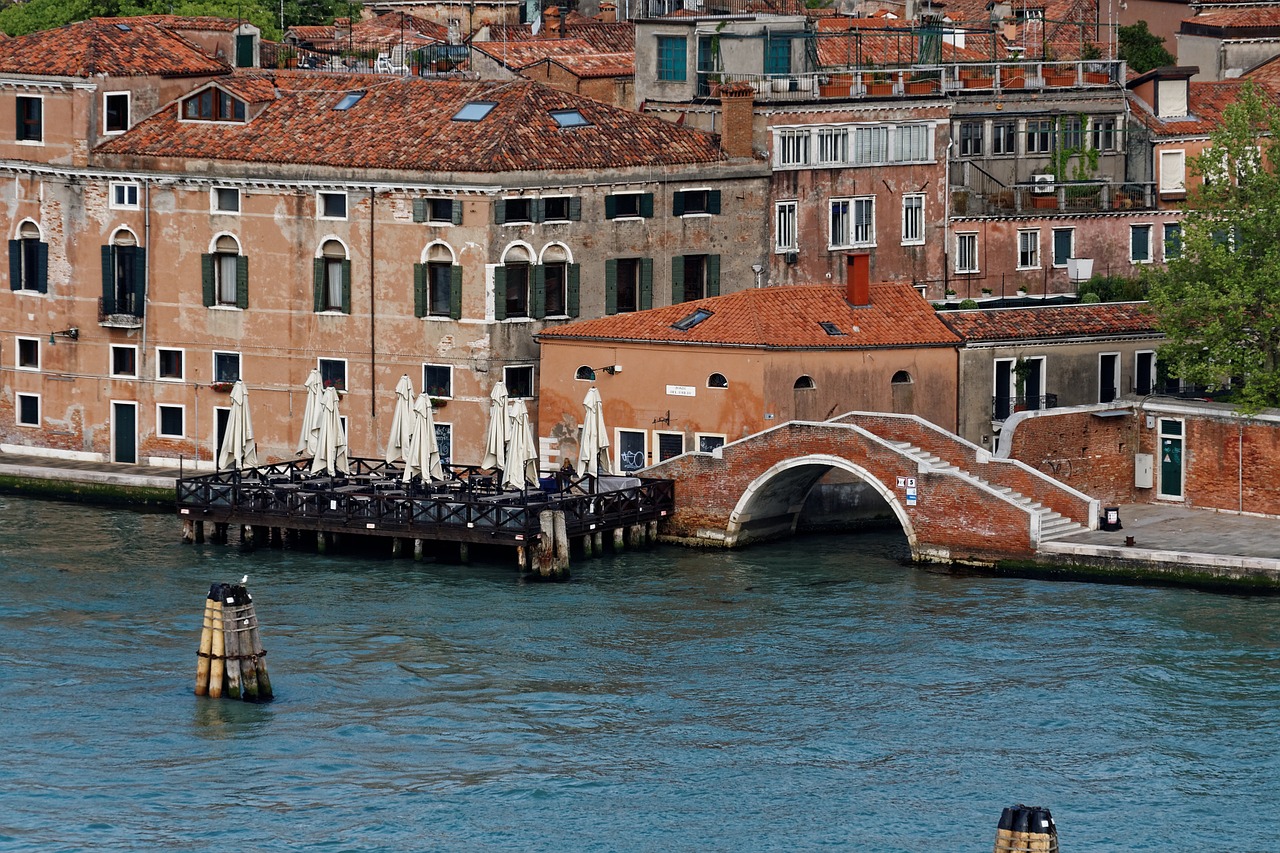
x,y
773,503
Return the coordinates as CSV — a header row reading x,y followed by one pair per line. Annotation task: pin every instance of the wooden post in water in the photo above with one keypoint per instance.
x,y
464,553
562,541
236,622
218,648
231,653
618,542
199,525
232,642
1026,829
597,542
419,549
586,546
259,655
188,531
550,556
397,546
206,643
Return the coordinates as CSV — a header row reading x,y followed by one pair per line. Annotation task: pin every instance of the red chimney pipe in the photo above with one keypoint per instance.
x,y
857,280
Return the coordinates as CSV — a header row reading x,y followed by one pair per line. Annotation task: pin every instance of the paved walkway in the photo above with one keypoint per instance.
x,y
110,473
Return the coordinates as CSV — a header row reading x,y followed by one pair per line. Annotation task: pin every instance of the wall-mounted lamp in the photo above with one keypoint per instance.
x,y
611,369
73,333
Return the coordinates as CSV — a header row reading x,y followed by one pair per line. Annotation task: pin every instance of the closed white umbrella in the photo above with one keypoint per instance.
x,y
239,450
593,447
424,452
520,468
496,436
401,421
310,426
331,438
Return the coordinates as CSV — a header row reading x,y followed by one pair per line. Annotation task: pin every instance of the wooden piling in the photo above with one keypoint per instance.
x,y
397,547
586,546
597,542
635,536
199,527
550,556
217,648
618,542
464,553
231,640
419,549
206,643
1026,829
236,622
188,531
322,542
561,541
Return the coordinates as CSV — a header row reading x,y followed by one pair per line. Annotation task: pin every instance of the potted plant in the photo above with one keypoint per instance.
x,y
977,77
951,291
877,83
986,291
921,83
1013,77
1094,72
221,387
835,86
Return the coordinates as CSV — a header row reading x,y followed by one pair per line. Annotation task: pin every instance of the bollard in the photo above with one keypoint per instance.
x,y
231,657
206,642
1026,829
217,649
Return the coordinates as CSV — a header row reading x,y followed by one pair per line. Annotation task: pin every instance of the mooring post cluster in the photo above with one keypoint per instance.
x,y
1026,829
231,658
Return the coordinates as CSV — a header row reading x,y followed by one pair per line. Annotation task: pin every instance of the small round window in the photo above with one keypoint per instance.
x,y
901,378
717,380
586,374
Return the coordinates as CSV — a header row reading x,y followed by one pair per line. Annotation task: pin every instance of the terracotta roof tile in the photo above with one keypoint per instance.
x,y
406,123
848,42
780,318
592,65
522,54
107,46
179,23
603,36
1254,18
1207,101
1101,319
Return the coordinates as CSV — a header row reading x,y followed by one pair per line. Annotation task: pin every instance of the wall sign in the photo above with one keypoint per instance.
x,y
681,391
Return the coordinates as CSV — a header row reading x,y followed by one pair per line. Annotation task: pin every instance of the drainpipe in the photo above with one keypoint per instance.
x,y
146,270
946,214
373,322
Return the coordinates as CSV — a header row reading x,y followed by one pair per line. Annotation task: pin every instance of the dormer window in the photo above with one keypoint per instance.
x,y
1171,98
213,105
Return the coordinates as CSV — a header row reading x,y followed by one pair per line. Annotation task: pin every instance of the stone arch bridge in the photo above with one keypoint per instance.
x,y
954,500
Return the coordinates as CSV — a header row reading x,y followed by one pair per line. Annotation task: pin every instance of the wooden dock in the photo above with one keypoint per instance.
x,y
469,507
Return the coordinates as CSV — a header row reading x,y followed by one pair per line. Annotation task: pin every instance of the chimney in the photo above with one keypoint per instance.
x,y
551,21
737,119
341,28
857,279
608,13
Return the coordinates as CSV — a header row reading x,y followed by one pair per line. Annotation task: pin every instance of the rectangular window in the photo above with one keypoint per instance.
x,y
1140,244
1144,372
331,205
672,58
913,142
519,381
833,145
1064,241
439,210
1029,249
793,148
864,221
333,372
628,206
556,208
912,220
170,421
115,112
629,289
670,444
1072,132
1173,172
440,289
695,202
517,210
29,261
870,145
437,380
1104,134
784,237
169,364
632,449
28,409
1172,240
226,366
694,278
852,222
1108,376
966,253
970,139
28,357
516,297
124,195
708,443
124,361
30,118
1004,137
225,266
226,200
1039,136
777,58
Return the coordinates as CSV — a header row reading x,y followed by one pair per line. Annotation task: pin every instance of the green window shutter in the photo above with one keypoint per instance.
x,y
15,264
499,293
457,211
539,210
419,210
319,285
713,275
677,204
646,283
677,279
207,281
610,207
573,286
242,281
420,299
646,205
575,208
346,287
713,201
455,292
139,280
42,267
611,287
244,51
108,281
539,292
499,211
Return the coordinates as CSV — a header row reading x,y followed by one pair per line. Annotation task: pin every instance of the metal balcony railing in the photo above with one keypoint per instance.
x,y
1003,407
984,196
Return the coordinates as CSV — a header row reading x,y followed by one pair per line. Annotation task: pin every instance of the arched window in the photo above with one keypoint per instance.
x,y
440,277
717,380
551,283
333,278
804,382
29,260
511,284
586,374
226,274
123,275
901,378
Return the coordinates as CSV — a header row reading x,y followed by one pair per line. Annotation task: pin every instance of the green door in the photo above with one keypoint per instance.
x,y
1171,459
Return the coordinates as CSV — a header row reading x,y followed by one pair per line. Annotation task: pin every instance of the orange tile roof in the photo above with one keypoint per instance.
x,y
405,123
207,23
1253,18
1097,320
779,318
595,65
617,37
1207,101
107,46
521,54
849,42
1059,31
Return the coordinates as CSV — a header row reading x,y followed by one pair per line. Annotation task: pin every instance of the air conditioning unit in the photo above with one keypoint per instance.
x,y
1042,184
792,257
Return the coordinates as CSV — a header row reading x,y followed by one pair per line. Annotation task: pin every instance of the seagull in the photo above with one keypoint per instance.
x,y
244,580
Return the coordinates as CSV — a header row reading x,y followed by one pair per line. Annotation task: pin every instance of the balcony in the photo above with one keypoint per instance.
x,y
986,196
123,313
1003,407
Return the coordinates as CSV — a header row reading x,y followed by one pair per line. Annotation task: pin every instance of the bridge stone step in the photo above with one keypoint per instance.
x,y
1059,529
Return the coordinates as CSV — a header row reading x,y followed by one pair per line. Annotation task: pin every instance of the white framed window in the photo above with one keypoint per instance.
x,y
784,233
833,145
519,381
444,442
27,409
226,366
793,148
171,421
633,449
870,145
30,120
331,205
1029,249
1172,240
913,143
224,200
1140,244
708,442
1173,172
913,219
27,354
124,195
115,112
1064,246
437,380
717,380
170,364
1144,372
124,361
967,252
853,222
333,372
1004,137
667,444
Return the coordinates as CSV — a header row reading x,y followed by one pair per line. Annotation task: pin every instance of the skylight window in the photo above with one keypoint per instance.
x,y
474,111
687,323
124,28
349,100
831,328
569,118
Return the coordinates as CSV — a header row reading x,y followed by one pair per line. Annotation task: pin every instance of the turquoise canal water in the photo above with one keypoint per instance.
x,y
811,694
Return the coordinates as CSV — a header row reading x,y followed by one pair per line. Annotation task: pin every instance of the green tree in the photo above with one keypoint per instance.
x,y
46,14
1143,49
1217,302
